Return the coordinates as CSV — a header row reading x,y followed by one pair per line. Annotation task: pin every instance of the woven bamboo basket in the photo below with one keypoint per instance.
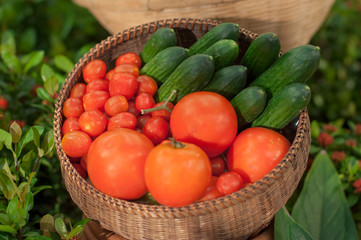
x,y
240,215
294,21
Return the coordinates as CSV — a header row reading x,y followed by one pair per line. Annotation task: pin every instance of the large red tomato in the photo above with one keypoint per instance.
x,y
177,174
255,152
115,163
206,119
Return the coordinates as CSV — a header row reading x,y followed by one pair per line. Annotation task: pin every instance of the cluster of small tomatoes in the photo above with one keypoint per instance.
x,y
128,144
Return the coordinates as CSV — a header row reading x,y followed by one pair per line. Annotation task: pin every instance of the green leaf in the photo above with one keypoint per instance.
x,y
60,228
7,181
40,237
35,59
36,137
51,85
17,214
315,129
6,138
48,142
287,229
4,219
76,231
8,42
7,228
26,199
11,61
47,223
43,94
15,132
46,72
82,222
6,236
63,63
322,209
27,161
38,189
28,40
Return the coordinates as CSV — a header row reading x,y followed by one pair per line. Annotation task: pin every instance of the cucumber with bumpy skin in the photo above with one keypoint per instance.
x,y
193,74
228,81
284,106
224,52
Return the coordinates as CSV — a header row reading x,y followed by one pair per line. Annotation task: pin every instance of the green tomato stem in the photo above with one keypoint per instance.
x,y
160,107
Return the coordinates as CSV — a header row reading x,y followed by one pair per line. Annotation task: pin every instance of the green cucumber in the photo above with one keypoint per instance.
x,y
296,65
161,39
248,104
284,106
191,75
261,54
164,63
221,31
228,81
224,52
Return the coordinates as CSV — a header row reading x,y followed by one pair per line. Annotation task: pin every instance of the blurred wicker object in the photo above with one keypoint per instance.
x,y
295,22
240,215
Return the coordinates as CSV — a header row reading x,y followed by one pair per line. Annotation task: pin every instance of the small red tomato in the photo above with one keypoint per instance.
x,y
76,143
74,159
163,113
115,105
123,84
132,109
129,68
73,107
218,166
144,101
177,173
129,57
255,152
78,91
122,120
93,122
109,75
83,162
21,123
142,120
147,84
82,172
97,85
3,103
95,100
212,194
69,125
156,129
95,69
229,182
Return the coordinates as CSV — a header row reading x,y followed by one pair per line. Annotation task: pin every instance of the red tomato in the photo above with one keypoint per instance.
x,y
82,172
95,69
122,120
76,143
229,182
115,105
132,109
123,84
144,101
97,85
93,122
177,174
129,68
206,119
142,120
163,113
73,107
109,75
69,125
129,57
156,129
83,162
115,163
147,84
218,166
78,91
211,191
95,100
255,152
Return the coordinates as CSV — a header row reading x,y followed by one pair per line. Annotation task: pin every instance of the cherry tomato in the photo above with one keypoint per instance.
x,y
129,68
129,57
163,113
229,182
122,120
82,172
115,163
83,162
93,122
3,103
115,105
123,84
95,69
255,152
146,84
21,123
95,100
74,159
109,75
78,91
69,125
206,119
132,109
177,174
73,107
76,143
97,85
142,120
144,101
218,166
156,129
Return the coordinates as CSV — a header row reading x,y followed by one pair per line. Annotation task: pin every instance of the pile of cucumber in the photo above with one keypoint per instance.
x,y
266,89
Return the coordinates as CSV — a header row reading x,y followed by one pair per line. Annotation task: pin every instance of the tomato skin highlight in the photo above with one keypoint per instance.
x,y
255,152
76,144
95,69
115,163
206,119
177,176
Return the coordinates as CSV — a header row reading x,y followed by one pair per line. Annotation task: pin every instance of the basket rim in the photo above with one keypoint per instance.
x,y
161,211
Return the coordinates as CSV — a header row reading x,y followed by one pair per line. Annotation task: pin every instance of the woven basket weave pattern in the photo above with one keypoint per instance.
x,y
236,216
